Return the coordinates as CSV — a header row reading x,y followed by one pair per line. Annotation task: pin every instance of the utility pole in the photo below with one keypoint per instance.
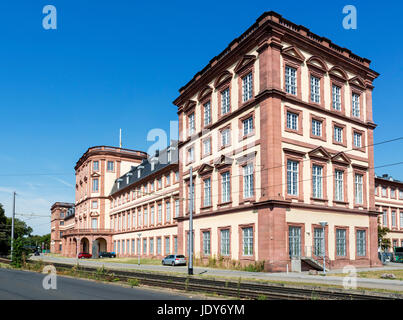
x,y
12,227
139,247
190,265
324,224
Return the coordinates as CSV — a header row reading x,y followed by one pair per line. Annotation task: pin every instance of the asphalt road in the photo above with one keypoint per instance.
x,y
25,285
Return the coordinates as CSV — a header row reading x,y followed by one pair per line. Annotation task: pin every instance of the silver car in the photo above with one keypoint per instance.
x,y
174,260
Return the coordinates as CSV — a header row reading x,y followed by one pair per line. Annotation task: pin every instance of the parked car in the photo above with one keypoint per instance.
x,y
82,255
107,255
398,254
174,260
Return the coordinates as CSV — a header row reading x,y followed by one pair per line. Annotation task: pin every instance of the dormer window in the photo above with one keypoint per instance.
x,y
169,155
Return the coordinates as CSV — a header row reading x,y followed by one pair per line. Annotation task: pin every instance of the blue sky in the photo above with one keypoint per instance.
x,y
119,64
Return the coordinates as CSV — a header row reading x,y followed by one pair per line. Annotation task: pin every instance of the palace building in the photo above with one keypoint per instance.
x,y
277,131
389,202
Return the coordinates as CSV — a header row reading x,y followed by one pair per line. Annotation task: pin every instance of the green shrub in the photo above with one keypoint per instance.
x,y
133,282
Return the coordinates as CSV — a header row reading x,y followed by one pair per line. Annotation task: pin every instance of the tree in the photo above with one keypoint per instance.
x,y
4,234
19,252
383,242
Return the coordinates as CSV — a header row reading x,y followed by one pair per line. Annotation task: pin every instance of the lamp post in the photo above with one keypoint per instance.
x,y
324,224
190,265
139,247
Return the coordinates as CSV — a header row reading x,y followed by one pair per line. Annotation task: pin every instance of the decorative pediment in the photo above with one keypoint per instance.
x,y
294,54
246,158
94,214
205,92
317,63
223,161
339,73
341,158
189,105
95,175
357,82
320,153
246,61
225,77
205,168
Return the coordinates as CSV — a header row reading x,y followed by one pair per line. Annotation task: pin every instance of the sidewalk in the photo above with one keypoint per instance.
x,y
395,285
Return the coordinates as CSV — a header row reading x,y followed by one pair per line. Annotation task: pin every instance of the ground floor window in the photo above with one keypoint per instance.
x,y
225,242
152,246
159,246
294,241
167,245
175,245
133,246
144,246
361,243
247,241
206,243
341,242
318,237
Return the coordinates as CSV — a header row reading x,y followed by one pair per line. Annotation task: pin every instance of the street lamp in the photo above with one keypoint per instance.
x,y
139,247
324,224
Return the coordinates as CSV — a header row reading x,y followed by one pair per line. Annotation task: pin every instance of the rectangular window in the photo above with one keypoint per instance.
x,y
133,246
393,193
167,245
247,241
152,246
95,185
225,242
168,179
207,192
191,123
123,246
159,246
247,126
384,191
317,181
291,80
159,183
144,246
225,101
247,87
341,242
361,243
145,217
294,241
110,166
95,166
190,154
401,219
315,89
358,189
393,218
292,121
357,140
160,213
94,223
356,105
207,146
318,237
206,243
385,218
176,208
94,204
118,246
152,218
339,185
225,187
140,220
338,134
225,137
248,181
316,128
175,245
292,177
168,209
336,97
207,113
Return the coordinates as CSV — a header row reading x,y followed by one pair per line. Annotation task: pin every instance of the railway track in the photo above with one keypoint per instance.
x,y
242,290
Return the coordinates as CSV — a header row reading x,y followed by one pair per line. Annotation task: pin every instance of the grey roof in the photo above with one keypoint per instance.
x,y
147,167
388,178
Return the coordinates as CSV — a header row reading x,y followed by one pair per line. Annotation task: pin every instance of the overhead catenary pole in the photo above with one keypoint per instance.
x,y
12,226
190,265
